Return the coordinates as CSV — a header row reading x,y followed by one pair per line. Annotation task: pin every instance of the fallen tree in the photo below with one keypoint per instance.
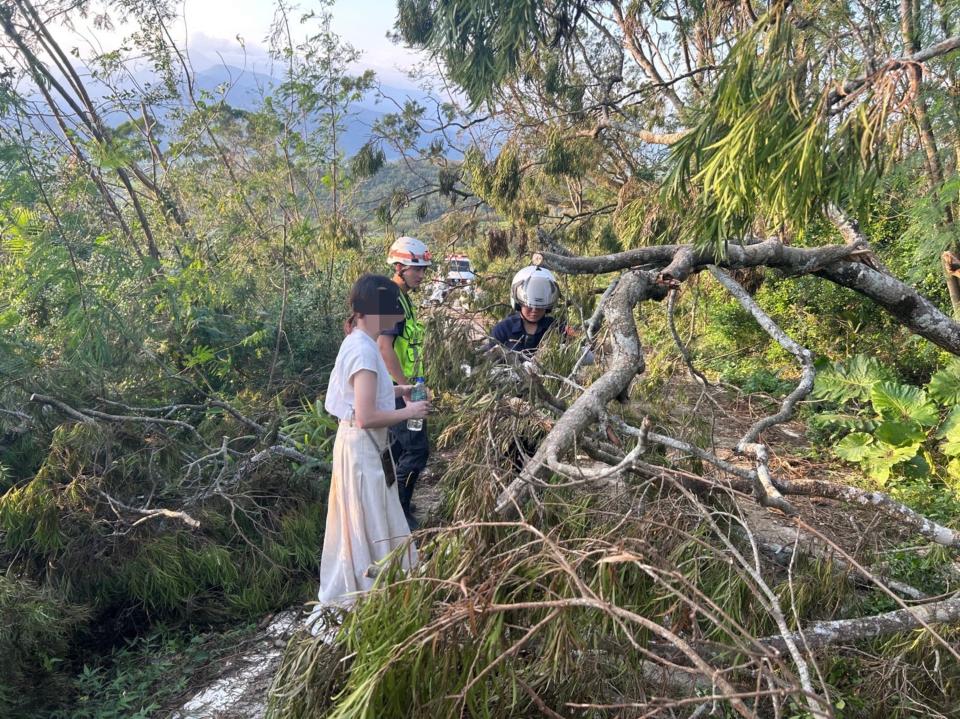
x,y
499,594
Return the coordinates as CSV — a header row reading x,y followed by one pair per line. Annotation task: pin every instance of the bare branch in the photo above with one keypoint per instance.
x,y
826,634
671,308
803,355
149,514
767,494
91,415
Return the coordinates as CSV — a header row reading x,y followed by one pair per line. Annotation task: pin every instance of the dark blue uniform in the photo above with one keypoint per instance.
x,y
511,334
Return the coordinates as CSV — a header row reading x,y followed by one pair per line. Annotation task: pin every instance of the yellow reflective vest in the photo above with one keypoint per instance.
x,y
409,343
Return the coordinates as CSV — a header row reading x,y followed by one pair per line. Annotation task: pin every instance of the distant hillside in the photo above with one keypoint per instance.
x,y
246,90
398,175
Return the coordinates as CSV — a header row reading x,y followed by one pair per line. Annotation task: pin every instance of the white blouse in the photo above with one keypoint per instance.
x,y
357,352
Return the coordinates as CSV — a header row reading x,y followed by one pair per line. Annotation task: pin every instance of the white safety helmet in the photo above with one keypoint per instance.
x,y
534,286
409,251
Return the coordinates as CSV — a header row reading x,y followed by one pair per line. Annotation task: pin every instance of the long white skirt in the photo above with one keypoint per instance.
x,y
365,521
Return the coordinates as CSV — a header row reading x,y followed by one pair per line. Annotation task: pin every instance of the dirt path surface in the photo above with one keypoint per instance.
x,y
239,691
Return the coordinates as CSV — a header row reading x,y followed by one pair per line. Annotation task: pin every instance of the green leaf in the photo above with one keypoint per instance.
x,y
951,447
854,447
953,469
944,386
849,381
200,355
917,468
254,338
881,459
899,401
848,422
900,434
950,424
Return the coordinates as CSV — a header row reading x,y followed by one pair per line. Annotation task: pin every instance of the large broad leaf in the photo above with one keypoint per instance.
x,y
837,421
855,447
851,380
951,445
917,468
900,434
953,469
882,458
945,385
902,402
950,424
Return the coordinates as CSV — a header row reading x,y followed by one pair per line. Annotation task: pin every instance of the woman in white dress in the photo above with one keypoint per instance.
x,y
365,521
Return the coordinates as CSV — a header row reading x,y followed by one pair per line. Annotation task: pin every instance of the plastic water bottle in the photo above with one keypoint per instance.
x,y
417,394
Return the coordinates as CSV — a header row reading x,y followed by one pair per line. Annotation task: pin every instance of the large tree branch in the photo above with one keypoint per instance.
x,y
677,262
854,84
832,262
854,495
826,634
905,304
626,363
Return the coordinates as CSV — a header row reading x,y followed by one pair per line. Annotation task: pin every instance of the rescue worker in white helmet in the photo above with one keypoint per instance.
x,y
533,293
402,351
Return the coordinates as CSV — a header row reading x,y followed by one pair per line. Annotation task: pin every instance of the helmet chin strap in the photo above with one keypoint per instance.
x,y
400,273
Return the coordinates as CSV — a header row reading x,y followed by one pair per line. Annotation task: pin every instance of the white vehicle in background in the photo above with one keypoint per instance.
x,y
459,279
459,270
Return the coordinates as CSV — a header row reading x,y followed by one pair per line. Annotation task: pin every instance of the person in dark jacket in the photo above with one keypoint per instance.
x,y
533,293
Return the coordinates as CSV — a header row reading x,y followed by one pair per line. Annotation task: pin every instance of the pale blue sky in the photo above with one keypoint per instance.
x,y
209,29
362,23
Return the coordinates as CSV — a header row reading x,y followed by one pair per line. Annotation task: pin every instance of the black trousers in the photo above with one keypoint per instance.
x,y
410,452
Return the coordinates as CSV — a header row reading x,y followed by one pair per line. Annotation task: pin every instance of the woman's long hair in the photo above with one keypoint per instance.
x,y
372,294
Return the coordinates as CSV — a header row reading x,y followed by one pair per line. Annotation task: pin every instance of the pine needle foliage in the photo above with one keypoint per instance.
x,y
250,555
766,149
477,625
36,628
369,158
500,184
641,217
483,42
563,156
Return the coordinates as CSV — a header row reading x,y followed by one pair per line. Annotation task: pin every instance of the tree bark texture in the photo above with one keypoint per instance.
x,y
844,265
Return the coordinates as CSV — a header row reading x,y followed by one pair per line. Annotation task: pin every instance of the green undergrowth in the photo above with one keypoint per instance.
x,y
146,675
83,570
